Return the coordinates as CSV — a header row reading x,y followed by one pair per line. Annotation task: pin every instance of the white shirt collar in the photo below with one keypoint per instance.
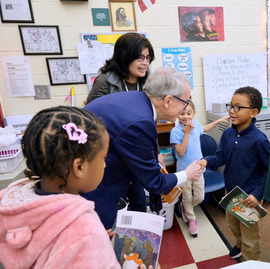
x,y
154,112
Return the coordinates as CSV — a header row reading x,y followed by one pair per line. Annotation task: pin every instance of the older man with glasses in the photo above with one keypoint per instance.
x,y
130,118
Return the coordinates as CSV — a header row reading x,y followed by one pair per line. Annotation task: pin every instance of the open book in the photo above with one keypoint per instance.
x,y
233,202
138,238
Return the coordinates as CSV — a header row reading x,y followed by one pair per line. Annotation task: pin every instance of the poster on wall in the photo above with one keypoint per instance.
x,y
225,73
201,24
18,76
179,59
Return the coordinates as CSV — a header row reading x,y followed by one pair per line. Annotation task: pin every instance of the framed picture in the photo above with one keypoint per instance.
x,y
122,16
65,70
16,11
40,40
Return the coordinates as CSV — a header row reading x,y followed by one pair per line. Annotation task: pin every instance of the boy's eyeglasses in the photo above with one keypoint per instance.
x,y
236,108
142,57
180,99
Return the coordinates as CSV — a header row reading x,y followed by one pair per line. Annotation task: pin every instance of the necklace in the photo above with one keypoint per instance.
x,y
126,87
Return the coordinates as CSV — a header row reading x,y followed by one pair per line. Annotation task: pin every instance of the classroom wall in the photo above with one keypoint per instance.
x,y
244,26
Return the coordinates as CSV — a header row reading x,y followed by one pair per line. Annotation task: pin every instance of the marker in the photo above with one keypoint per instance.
x,y
72,96
163,168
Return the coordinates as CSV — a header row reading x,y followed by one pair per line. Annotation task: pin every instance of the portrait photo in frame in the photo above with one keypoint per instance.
x,y
40,39
64,71
16,11
122,16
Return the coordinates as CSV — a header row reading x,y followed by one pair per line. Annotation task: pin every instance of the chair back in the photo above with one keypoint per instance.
x,y
208,145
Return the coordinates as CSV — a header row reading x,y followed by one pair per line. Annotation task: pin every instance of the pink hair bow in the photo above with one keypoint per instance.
x,y
74,133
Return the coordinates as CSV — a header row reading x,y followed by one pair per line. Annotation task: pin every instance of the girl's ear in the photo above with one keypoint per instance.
x,y
77,167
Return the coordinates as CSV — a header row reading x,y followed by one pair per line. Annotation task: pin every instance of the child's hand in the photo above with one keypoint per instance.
x,y
188,127
225,119
110,233
250,201
151,267
193,171
202,163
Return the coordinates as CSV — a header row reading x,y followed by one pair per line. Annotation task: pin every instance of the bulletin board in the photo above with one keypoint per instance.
x,y
225,73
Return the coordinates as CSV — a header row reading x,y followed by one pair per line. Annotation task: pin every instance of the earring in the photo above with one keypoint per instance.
x,y
82,174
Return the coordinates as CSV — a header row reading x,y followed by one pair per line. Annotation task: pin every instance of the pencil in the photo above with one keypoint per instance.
x,y
166,155
163,168
72,96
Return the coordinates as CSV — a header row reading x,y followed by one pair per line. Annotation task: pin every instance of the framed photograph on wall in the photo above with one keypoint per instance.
x,y
122,16
16,11
40,40
64,71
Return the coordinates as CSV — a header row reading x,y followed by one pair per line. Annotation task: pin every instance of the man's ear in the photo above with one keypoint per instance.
x,y
167,100
77,167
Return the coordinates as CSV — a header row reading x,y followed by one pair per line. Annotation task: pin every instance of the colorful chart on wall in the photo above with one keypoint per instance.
x,y
179,59
225,73
201,24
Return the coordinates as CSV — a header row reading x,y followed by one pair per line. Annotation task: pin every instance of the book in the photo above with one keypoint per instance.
x,y
137,239
172,196
233,202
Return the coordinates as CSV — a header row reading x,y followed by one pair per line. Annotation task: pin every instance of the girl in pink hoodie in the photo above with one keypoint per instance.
x,y
45,223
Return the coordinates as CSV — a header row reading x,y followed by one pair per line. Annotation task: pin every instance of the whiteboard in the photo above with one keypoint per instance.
x,y
225,73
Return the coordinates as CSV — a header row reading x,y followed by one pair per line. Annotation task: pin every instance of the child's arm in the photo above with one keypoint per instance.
x,y
211,125
181,148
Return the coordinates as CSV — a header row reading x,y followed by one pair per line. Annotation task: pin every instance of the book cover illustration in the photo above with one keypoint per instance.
x,y
233,202
138,238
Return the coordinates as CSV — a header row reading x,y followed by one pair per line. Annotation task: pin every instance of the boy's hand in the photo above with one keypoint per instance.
x,y
202,163
193,171
225,119
187,129
250,201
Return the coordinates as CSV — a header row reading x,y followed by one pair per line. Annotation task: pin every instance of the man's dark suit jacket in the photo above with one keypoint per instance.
x,y
128,117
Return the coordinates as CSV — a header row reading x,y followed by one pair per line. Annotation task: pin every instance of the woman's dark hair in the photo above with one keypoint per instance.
x,y
47,147
128,48
253,95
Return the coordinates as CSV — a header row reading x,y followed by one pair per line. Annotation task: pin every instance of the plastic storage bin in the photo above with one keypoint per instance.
x,y
167,212
10,158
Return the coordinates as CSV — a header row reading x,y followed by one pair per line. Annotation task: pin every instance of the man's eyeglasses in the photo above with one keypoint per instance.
x,y
142,57
236,108
180,99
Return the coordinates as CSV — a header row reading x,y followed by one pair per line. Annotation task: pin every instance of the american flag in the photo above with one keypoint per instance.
x,y
144,4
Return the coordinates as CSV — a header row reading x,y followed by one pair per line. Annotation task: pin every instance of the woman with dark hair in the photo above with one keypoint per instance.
x,y
127,70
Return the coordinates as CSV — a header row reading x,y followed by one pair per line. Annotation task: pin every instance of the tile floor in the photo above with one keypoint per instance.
x,y
179,250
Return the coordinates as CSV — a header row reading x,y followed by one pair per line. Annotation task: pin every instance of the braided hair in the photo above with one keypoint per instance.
x,y
47,147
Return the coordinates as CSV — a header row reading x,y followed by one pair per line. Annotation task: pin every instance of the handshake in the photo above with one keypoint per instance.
x,y
195,169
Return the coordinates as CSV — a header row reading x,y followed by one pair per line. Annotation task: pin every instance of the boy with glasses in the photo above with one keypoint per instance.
x,y
244,150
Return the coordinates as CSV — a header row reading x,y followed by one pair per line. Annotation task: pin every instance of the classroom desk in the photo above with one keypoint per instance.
x,y
7,178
